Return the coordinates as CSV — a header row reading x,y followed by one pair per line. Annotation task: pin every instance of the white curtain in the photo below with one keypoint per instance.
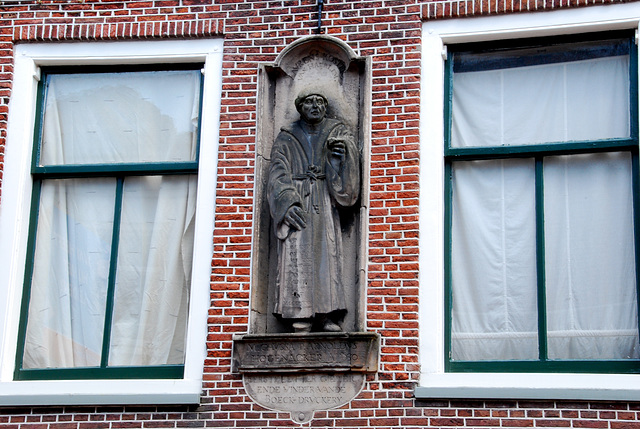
x,y
493,260
582,100
120,117
154,271
102,119
68,287
590,269
590,266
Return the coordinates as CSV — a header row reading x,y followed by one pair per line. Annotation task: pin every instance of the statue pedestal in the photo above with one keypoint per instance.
x,y
303,373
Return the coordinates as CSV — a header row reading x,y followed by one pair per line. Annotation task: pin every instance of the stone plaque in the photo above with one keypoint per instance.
x,y
355,351
303,373
302,394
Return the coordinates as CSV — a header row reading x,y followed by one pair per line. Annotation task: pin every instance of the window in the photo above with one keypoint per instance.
x,y
541,170
110,255
55,169
513,378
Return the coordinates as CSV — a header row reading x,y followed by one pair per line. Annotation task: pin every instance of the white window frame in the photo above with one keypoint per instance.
x,y
14,219
434,381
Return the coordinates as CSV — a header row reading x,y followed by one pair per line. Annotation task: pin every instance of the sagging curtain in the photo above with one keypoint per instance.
x,y
135,117
591,306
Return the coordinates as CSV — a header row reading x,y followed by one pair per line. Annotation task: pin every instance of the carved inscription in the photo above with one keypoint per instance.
x,y
350,352
303,373
303,394
304,389
310,352
315,56
299,260
293,271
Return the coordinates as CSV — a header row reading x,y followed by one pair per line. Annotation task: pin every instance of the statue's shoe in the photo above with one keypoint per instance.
x,y
330,326
302,327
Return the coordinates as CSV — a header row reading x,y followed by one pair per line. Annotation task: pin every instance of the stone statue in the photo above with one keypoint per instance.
x,y
315,170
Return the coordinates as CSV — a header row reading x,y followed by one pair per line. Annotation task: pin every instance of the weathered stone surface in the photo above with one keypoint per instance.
x,y
340,352
314,173
302,394
308,260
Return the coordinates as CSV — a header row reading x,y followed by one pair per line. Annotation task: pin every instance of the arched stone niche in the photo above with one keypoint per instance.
x,y
329,63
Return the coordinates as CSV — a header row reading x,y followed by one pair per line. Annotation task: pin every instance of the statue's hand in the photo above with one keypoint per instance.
x,y
295,218
337,147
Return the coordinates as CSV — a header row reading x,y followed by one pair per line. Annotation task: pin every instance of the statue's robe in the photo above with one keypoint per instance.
x,y
303,172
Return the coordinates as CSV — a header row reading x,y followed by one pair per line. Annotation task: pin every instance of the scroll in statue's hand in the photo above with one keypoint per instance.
x,y
295,218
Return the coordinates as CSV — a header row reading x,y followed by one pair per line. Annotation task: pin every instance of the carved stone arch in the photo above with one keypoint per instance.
x,y
329,63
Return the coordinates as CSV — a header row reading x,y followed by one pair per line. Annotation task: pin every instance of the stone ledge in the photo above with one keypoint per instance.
x,y
309,352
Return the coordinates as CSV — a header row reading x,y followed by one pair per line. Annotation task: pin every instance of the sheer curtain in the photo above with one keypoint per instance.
x,y
68,287
105,119
590,270
590,266
493,257
581,100
150,317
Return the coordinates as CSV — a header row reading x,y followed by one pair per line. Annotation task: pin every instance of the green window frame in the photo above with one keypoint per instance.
x,y
536,152
120,172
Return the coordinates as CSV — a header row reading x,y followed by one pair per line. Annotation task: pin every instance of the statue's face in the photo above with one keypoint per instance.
x,y
313,109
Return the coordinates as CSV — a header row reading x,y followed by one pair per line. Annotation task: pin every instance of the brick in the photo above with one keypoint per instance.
x,y
553,423
446,422
518,423
590,424
625,425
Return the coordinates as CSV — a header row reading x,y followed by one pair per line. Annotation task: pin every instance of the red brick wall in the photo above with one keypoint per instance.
x,y
369,410
255,32
459,8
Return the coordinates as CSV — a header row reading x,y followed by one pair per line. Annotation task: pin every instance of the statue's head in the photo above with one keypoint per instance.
x,y
312,105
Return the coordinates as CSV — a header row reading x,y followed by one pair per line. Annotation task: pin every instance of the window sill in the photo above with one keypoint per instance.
x,y
100,392
585,387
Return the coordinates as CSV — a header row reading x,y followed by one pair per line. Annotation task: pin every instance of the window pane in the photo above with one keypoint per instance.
x,y
527,104
154,271
590,262
121,117
493,260
67,304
